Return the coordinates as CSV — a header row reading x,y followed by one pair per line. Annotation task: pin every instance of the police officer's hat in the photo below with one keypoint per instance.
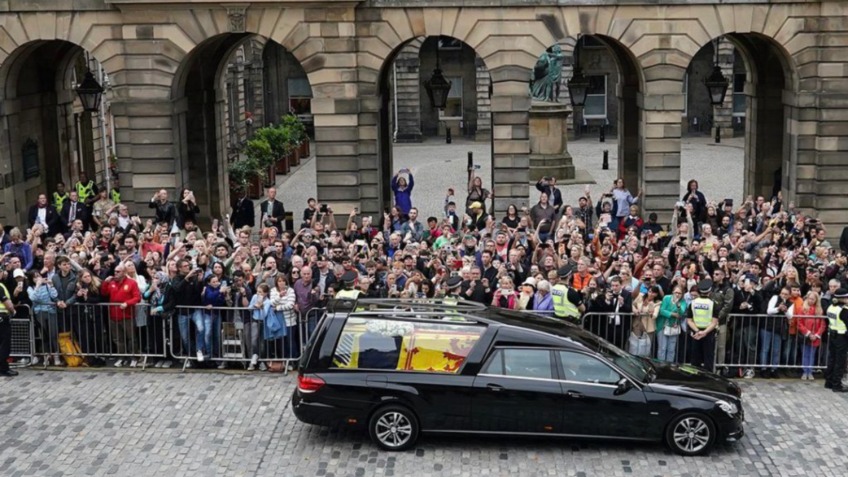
x,y
453,282
841,293
565,271
705,286
349,277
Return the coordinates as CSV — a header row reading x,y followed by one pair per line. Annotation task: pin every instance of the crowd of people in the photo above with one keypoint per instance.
x,y
767,269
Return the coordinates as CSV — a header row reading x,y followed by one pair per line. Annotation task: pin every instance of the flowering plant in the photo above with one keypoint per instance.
x,y
390,327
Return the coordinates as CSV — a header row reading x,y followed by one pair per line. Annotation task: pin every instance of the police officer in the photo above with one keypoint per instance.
x,y
452,288
86,191
7,309
702,318
837,320
568,302
60,196
348,282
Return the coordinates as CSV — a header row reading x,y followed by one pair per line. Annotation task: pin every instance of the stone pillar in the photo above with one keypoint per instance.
x,y
567,46
549,155
723,114
407,83
484,103
662,105
511,140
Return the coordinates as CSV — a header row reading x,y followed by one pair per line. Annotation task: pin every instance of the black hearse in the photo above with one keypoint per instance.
x,y
399,368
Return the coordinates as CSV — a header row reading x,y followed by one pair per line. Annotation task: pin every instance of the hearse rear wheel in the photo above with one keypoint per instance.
x,y
393,428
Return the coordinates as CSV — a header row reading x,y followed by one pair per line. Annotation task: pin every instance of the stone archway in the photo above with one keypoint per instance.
x,y
467,115
216,91
760,98
47,136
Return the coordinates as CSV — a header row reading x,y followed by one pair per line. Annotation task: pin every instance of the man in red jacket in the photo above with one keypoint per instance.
x,y
123,292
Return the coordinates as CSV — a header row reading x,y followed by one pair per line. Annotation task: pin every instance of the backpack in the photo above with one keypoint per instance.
x,y
70,350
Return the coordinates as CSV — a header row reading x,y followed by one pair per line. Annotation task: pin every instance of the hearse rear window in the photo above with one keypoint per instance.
x,y
374,343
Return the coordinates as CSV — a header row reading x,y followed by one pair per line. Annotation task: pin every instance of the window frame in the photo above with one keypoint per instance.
x,y
499,351
606,100
587,355
741,93
403,319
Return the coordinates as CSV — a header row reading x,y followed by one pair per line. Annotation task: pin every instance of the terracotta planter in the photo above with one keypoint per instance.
x,y
283,166
254,188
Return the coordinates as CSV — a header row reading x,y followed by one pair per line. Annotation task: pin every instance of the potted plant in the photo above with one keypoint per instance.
x,y
245,175
260,151
279,138
298,134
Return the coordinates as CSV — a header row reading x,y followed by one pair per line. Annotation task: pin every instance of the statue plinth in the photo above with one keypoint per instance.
x,y
549,155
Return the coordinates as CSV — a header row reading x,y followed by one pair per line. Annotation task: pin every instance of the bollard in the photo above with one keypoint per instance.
x,y
470,164
718,135
605,165
448,135
602,133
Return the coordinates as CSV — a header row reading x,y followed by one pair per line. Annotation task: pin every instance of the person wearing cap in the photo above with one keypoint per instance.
x,y
476,218
452,289
702,318
526,294
837,321
568,302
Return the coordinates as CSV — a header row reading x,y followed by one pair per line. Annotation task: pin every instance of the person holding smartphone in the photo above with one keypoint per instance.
x,y
403,190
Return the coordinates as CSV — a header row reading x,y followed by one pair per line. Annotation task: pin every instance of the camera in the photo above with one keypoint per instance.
x,y
324,208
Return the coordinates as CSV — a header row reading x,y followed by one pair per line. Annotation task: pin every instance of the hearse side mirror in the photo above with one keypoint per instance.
x,y
623,385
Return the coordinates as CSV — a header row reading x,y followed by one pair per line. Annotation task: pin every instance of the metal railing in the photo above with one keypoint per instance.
x,y
80,334
240,335
21,345
776,342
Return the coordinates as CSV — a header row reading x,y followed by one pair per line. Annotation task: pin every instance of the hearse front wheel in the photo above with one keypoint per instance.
x,y
691,434
393,428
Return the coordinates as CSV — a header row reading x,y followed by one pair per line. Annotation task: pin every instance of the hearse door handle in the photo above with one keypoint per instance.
x,y
494,387
573,394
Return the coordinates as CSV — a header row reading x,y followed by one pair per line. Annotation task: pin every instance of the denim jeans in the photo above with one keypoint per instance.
x,y
203,324
185,339
214,332
666,347
770,342
791,347
808,357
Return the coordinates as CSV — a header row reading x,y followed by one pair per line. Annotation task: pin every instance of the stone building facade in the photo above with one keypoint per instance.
x,y
167,60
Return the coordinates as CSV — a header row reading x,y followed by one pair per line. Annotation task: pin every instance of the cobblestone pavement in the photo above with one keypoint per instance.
x,y
172,424
437,166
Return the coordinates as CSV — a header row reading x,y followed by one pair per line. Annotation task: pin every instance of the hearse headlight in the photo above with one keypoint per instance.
x,y
728,407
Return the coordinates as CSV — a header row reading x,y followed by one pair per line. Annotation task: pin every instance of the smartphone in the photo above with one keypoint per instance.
x,y
215,224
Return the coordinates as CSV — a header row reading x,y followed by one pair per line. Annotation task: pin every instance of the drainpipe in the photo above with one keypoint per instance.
x,y
102,119
394,93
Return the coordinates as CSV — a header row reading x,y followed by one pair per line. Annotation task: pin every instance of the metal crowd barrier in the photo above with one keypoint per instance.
x,y
776,342
234,335
744,342
22,335
83,334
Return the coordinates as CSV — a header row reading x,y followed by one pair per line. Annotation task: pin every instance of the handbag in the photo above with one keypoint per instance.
x,y
671,330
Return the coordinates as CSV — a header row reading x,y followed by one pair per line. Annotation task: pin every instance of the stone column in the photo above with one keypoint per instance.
x,y
662,105
407,78
511,140
484,103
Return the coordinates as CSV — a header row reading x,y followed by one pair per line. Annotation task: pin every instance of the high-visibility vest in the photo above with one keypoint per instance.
x,y
836,325
85,191
116,196
349,295
452,315
58,200
3,310
702,312
562,307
